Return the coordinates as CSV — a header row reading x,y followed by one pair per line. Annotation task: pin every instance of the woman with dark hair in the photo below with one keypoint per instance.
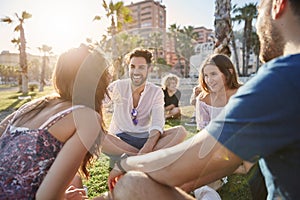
x,y
219,82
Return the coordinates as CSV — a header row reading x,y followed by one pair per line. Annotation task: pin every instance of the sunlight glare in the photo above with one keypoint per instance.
x,y
62,22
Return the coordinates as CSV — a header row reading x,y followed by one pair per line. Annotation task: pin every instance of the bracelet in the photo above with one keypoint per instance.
x,y
118,163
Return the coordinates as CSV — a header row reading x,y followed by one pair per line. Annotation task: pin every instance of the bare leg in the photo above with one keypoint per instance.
x,y
138,186
171,137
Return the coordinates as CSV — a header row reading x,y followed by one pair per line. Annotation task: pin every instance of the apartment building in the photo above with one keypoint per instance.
x,y
147,14
149,19
204,34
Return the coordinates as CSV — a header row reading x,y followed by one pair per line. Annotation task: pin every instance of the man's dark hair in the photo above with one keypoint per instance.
x,y
140,53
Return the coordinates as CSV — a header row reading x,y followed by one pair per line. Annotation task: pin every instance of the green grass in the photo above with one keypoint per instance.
x,y
9,100
236,188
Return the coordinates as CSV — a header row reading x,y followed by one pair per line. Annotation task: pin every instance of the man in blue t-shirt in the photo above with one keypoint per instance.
x,y
260,123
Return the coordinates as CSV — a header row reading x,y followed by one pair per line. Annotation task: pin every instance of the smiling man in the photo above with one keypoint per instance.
x,y
138,117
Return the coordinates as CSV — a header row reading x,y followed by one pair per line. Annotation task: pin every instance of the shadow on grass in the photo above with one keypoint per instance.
x,y
18,102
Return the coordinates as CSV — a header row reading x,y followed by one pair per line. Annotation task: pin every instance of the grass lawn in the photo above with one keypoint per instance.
x,y
11,99
236,188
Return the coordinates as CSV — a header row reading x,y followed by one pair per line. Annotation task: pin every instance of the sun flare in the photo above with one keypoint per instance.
x,y
63,24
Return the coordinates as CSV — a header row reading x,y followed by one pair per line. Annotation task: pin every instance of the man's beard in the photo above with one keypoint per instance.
x,y
271,41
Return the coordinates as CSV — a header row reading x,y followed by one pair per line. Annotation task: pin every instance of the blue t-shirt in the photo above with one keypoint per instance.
x,y
262,120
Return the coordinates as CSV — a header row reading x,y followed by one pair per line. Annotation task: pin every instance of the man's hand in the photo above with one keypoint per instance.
x,y
114,175
154,136
74,193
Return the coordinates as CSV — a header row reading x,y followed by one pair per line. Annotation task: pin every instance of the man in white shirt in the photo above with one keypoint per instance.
x,y
138,117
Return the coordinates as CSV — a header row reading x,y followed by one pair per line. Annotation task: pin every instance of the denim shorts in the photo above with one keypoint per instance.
x,y
137,142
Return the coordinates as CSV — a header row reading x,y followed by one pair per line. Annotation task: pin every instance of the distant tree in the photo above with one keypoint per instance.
x,y
187,39
155,42
246,14
174,32
17,43
22,46
115,12
184,40
256,48
46,50
34,69
8,74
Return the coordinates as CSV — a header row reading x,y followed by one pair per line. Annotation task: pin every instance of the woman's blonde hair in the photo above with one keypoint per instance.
x,y
166,80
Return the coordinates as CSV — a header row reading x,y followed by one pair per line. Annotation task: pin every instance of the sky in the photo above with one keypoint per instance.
x,y
63,24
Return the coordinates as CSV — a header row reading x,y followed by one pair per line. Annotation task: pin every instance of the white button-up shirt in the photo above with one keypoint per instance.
x,y
150,108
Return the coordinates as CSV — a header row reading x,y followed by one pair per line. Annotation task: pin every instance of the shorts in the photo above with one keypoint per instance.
x,y
137,142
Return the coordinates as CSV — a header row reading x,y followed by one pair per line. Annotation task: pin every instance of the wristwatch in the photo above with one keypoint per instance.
x,y
118,163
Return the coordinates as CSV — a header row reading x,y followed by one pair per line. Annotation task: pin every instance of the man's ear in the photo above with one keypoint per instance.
x,y
278,8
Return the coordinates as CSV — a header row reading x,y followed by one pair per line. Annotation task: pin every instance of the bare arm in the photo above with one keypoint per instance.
x,y
71,155
199,157
169,107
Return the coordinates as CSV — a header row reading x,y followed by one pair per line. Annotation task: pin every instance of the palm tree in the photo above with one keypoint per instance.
x,y
174,32
173,35
246,14
155,42
46,50
187,40
17,43
223,29
256,48
120,13
22,46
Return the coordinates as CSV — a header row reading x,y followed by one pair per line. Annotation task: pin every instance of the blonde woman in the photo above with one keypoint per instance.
x,y
172,96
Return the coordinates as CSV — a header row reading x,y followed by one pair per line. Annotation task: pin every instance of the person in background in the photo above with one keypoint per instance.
x,y
257,125
172,96
46,141
138,117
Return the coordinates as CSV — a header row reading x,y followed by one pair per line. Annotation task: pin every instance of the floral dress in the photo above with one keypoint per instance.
x,y
26,156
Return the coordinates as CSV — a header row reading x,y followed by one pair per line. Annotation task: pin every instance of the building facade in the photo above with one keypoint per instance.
x,y
147,14
149,22
204,34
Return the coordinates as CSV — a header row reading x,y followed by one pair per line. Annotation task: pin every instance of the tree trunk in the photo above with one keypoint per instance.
x,y
244,50
42,79
223,28
23,61
237,63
